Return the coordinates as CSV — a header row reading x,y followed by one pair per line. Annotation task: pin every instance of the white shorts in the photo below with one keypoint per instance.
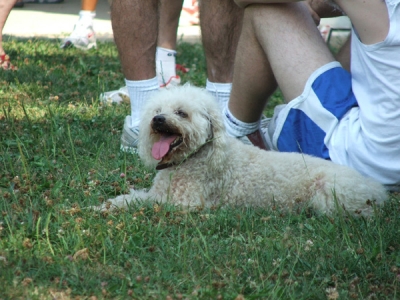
x,y
306,123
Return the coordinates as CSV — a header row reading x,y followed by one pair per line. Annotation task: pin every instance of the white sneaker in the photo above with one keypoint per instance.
x,y
264,125
116,96
82,37
130,136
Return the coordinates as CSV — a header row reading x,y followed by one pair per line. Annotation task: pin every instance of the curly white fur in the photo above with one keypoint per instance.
x,y
209,168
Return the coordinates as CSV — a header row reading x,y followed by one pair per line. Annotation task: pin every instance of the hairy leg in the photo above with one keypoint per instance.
x,y
170,11
220,23
135,27
253,79
280,45
5,8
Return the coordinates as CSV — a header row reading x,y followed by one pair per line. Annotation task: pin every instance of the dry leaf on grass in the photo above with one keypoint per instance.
x,y
81,254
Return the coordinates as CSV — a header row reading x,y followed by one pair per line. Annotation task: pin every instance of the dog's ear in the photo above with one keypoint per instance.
x,y
217,153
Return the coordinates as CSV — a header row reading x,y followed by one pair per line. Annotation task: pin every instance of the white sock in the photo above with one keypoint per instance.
x,y
221,91
235,127
139,91
86,17
165,65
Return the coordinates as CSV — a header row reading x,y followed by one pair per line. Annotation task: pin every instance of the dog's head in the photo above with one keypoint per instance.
x,y
178,122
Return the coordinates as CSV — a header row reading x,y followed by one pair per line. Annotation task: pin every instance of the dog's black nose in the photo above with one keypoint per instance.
x,y
159,120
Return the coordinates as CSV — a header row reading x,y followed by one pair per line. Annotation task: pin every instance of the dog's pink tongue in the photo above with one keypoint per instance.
x,y
161,147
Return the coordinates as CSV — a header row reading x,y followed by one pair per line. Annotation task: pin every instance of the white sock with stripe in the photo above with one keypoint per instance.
x,y
165,65
235,127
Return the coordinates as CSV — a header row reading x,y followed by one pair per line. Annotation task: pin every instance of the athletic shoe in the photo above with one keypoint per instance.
x,y
264,125
130,136
116,96
82,37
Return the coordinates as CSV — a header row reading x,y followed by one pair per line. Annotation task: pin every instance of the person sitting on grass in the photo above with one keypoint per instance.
x,y
351,118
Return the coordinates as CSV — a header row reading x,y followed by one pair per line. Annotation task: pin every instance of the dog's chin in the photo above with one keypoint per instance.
x,y
168,160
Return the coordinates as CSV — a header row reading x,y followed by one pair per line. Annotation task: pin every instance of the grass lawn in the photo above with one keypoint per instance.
x,y
59,153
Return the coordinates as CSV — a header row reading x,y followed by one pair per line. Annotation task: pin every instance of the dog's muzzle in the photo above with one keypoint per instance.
x,y
169,137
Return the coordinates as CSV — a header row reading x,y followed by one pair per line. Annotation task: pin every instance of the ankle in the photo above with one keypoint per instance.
x,y
235,127
165,54
221,91
87,14
139,91
165,65
86,18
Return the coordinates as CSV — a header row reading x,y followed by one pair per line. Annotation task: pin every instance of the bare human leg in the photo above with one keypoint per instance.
x,y
279,45
89,5
166,44
135,27
220,23
170,11
146,46
5,8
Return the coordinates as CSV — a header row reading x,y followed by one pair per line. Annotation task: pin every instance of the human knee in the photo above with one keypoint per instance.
x,y
275,13
255,11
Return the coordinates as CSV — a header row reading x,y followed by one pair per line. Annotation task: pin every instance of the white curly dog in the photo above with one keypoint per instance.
x,y
182,135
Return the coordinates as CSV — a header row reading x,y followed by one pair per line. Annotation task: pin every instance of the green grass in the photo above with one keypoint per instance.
x,y
59,154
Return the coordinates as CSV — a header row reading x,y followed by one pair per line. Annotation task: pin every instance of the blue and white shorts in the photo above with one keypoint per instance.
x,y
306,123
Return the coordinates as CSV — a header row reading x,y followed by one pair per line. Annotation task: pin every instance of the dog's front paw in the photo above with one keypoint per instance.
x,y
118,202
103,207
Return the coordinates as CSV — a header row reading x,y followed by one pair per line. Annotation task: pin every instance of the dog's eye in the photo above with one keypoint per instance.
x,y
158,111
181,113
